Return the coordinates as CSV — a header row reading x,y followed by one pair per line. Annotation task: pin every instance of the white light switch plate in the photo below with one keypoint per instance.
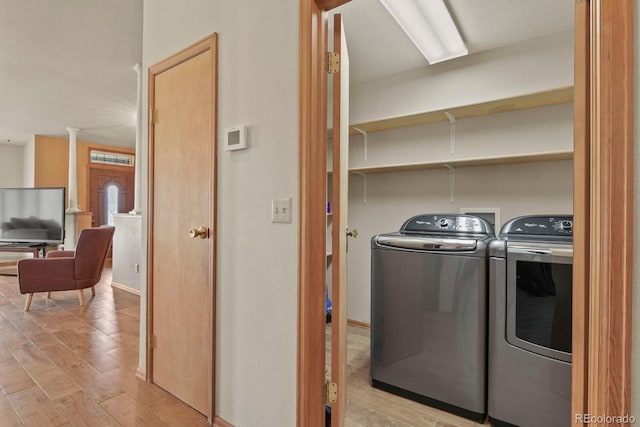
x,y
281,210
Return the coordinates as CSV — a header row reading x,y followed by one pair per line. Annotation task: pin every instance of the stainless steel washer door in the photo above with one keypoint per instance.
x,y
539,296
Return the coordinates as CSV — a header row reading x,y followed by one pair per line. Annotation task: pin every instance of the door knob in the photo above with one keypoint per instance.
x,y
202,232
352,233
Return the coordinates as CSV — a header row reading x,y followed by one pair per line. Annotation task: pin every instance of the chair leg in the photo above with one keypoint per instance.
x,y
48,295
81,297
27,304
93,291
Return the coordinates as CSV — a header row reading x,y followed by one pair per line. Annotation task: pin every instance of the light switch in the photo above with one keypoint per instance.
x,y
281,210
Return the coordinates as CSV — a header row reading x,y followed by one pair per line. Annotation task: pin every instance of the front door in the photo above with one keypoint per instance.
x,y
110,191
182,91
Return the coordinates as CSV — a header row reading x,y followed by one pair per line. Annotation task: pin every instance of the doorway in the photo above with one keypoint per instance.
x,y
110,192
596,127
182,221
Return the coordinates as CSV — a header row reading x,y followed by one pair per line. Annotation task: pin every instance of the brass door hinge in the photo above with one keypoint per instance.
x,y
151,342
153,116
330,392
333,62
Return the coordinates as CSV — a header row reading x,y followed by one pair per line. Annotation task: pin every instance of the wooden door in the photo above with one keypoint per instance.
x,y
99,182
339,231
182,258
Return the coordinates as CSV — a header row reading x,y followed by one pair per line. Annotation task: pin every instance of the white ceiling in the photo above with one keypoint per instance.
x,y
378,47
68,63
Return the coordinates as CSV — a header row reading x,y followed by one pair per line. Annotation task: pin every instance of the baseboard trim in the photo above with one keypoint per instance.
x,y
141,373
358,323
219,422
125,288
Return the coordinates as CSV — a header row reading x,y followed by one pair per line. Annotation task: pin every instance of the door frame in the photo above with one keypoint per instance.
x,y
91,165
207,44
603,195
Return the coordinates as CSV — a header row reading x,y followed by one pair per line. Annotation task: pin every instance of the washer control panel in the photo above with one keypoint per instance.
x,y
539,226
443,223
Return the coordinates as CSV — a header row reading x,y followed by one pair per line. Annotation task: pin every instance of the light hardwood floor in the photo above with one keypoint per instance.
x,y
368,406
62,364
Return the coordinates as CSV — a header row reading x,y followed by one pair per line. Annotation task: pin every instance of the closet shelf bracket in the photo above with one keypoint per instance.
x,y
452,131
452,178
365,135
364,185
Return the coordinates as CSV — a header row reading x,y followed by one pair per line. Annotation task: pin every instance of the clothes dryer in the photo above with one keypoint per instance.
x,y
428,311
530,300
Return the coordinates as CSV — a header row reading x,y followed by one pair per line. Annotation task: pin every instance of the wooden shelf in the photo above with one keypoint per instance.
x,y
534,100
486,161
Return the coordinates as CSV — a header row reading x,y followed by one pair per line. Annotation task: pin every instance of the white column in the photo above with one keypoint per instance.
x,y
73,172
136,195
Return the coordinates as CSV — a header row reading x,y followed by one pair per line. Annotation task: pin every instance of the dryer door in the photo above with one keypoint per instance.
x,y
539,298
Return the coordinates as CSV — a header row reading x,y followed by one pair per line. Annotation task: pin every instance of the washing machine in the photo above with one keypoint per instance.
x,y
428,312
530,297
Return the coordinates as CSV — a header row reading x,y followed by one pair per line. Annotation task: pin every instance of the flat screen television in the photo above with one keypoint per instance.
x,y
32,215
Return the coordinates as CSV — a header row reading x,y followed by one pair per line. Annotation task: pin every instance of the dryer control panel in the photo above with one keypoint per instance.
x,y
539,225
443,223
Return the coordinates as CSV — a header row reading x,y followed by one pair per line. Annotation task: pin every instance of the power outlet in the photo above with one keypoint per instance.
x,y
281,210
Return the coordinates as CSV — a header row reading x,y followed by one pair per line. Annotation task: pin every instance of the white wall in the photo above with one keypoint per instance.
x,y
10,165
517,189
29,162
126,250
11,176
257,261
392,198
536,130
515,70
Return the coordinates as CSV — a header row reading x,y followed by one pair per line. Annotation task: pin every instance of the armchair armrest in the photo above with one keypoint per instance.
x,y
61,254
46,274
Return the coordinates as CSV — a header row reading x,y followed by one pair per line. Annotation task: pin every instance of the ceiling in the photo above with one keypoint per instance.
x,y
378,47
68,63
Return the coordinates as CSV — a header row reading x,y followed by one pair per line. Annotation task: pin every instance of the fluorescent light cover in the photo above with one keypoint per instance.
x,y
429,26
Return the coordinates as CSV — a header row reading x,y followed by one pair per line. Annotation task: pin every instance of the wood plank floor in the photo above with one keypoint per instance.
x,y
368,406
62,364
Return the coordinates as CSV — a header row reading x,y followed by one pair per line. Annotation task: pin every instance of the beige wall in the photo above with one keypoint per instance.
x,y
11,165
52,164
394,197
514,70
516,189
257,260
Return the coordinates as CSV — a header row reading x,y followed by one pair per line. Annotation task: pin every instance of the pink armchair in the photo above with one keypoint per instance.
x,y
67,270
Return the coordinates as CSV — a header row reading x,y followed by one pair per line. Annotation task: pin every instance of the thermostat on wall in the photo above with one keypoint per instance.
x,y
236,138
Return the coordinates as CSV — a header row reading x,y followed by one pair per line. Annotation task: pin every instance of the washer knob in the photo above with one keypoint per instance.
x,y
566,225
444,223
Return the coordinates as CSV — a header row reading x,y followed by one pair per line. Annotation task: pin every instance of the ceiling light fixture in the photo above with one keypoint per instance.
x,y
429,26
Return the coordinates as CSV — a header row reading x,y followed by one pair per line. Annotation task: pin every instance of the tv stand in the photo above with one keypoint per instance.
x,y
37,249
